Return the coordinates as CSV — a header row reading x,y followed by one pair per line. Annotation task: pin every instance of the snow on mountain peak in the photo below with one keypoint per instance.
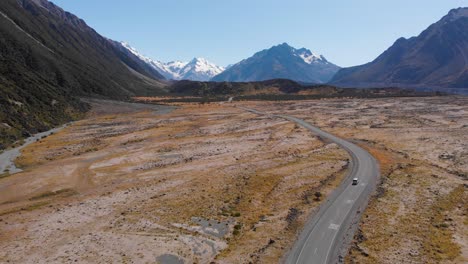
x,y
204,66
198,69
135,52
176,64
310,57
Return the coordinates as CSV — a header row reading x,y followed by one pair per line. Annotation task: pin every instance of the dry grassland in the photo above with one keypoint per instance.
x,y
419,213
202,183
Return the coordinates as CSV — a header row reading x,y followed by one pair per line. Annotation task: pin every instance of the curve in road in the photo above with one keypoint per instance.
x,y
324,233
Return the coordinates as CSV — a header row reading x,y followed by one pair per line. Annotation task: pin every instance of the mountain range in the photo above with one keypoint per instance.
x,y
281,61
437,58
198,69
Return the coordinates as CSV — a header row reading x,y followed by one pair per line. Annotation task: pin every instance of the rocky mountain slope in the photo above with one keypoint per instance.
x,y
438,57
281,61
49,57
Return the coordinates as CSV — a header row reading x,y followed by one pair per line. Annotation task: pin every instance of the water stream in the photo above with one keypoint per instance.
x,y
8,157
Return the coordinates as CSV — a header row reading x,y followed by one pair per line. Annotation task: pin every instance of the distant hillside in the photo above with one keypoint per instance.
x,y
281,61
276,89
438,57
276,86
48,57
271,90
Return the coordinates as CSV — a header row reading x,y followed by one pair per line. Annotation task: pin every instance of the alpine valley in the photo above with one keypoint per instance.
x,y
111,156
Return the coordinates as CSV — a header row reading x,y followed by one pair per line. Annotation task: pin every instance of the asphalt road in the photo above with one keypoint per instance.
x,y
324,233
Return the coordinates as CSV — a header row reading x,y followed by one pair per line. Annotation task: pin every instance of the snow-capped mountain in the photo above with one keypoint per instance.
x,y
281,62
310,57
198,69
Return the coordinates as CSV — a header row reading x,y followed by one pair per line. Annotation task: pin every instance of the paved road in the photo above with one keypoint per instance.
x,y
322,237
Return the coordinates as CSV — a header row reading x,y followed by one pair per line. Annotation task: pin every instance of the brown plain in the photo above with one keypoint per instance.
x,y
211,182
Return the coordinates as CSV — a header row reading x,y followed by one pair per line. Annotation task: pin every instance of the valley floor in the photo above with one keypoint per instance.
x,y
211,182
419,213
201,183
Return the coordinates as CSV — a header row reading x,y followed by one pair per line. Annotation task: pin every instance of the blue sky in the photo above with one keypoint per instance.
x,y
346,32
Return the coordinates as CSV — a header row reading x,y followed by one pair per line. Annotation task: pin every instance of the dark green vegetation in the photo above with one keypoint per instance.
x,y
276,86
438,57
273,90
48,58
62,192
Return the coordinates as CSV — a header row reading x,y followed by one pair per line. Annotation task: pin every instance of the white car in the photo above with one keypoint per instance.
x,y
355,181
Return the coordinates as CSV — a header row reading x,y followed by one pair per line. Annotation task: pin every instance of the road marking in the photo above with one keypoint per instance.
x,y
316,224
349,201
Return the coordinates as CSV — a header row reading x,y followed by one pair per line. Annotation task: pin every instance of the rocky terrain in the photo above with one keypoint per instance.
x,y
211,182
133,183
